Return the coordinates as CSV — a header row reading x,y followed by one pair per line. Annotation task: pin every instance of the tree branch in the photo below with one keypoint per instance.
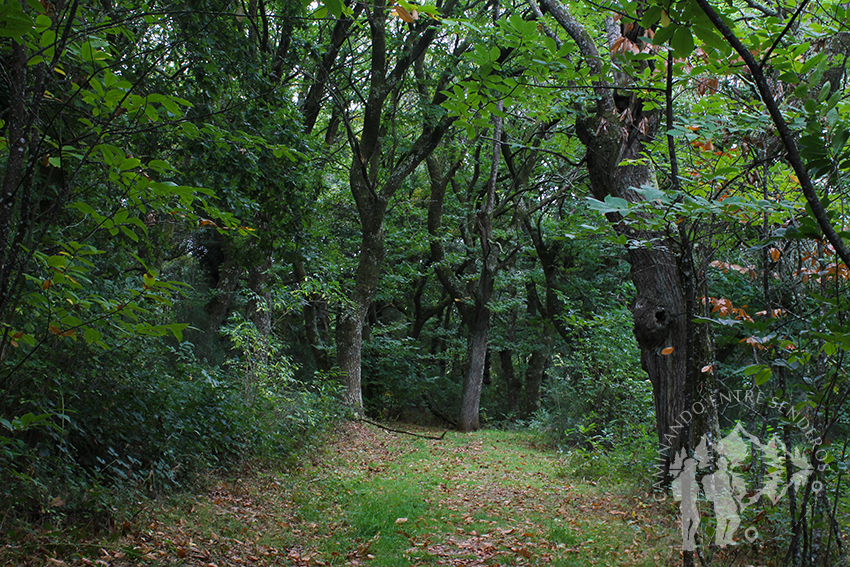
x,y
785,133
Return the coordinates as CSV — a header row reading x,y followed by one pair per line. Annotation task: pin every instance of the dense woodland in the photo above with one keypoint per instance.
x,y
226,224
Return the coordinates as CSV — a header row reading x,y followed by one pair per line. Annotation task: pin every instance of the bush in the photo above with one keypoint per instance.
x,y
139,421
597,394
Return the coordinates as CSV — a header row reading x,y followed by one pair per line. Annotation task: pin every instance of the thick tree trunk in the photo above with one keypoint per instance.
x,y
660,325
659,309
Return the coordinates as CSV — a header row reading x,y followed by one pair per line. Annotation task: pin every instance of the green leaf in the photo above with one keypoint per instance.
x,y
610,205
42,22
83,207
14,23
682,42
651,16
177,330
810,105
57,261
92,335
762,376
824,91
662,35
129,233
334,7
160,165
839,139
129,163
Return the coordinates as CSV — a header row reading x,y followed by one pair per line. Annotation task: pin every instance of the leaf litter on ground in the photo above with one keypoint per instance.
x,y
379,498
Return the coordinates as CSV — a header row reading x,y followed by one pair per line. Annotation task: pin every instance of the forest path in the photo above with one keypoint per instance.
x,y
377,498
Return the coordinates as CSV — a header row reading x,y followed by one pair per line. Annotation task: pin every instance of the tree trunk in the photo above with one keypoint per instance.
x,y
513,387
365,174
349,335
615,133
16,192
660,325
539,358
228,280
480,328
310,316
260,313
473,382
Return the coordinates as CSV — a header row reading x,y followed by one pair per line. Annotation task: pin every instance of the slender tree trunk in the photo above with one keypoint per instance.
x,y
311,325
372,191
349,335
513,386
480,329
260,312
15,195
538,361
473,382
230,272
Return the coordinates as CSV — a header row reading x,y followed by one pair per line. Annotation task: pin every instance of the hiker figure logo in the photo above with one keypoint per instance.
x,y
724,484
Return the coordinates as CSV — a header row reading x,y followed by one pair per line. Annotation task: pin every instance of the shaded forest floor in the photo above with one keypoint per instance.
x,y
377,498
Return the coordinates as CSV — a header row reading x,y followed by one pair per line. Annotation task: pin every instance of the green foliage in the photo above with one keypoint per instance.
x,y
597,396
146,425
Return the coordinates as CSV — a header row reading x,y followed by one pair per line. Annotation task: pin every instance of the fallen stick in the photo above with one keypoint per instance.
x,y
369,421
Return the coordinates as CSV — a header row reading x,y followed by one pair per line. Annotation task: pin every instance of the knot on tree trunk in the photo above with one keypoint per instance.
x,y
652,322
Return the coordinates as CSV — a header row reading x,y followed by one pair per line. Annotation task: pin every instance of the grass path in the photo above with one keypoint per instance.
x,y
378,498
375,498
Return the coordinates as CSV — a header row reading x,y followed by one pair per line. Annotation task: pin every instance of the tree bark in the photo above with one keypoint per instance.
x,y
370,197
539,359
310,317
15,195
612,136
349,335
480,329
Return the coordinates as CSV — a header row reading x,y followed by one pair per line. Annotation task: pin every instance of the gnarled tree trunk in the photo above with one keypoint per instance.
x,y
616,132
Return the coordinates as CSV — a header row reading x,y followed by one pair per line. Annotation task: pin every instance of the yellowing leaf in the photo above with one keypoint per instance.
x,y
665,19
707,368
668,350
405,15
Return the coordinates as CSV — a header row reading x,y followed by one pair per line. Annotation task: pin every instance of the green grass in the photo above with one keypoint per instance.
x,y
410,501
375,498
